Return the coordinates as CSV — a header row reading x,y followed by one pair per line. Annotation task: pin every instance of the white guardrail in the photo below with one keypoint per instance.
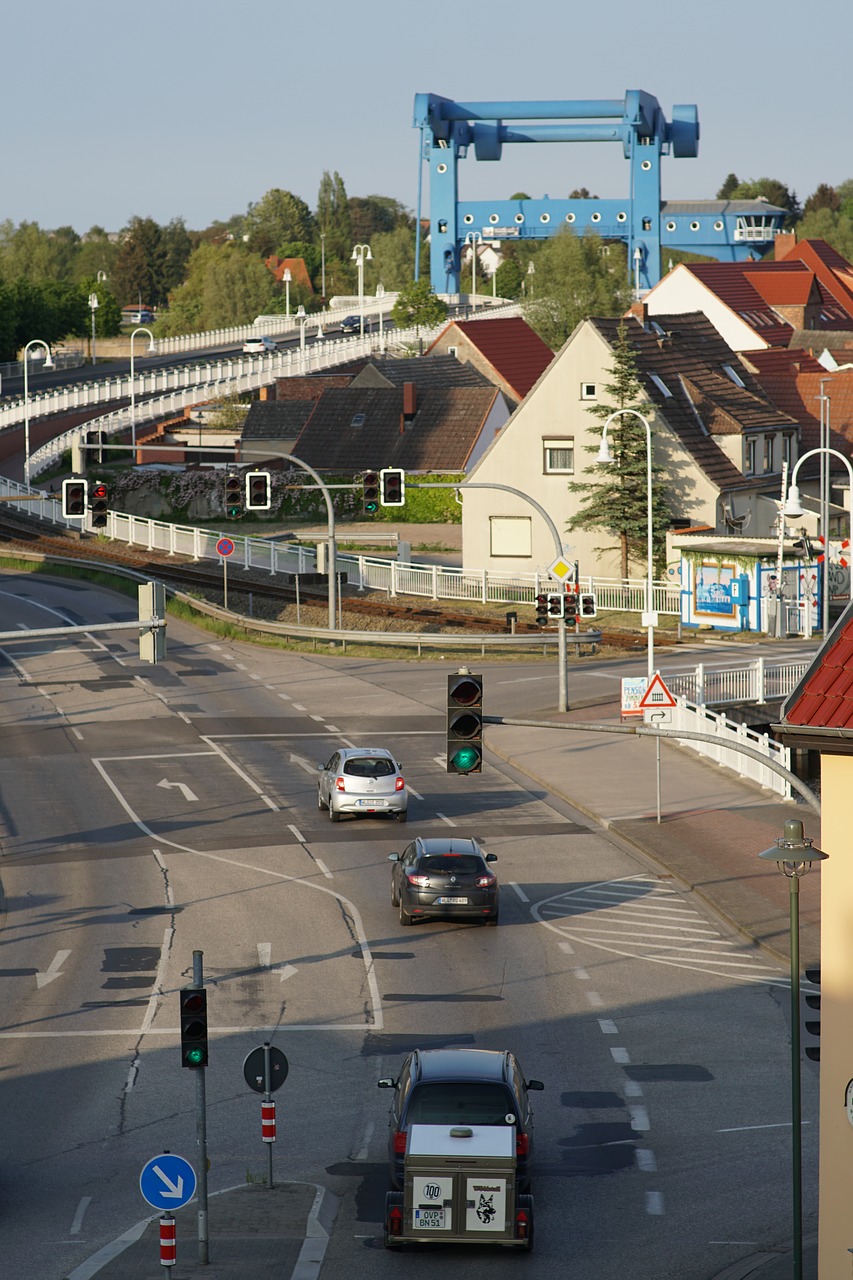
x,y
757,681
728,734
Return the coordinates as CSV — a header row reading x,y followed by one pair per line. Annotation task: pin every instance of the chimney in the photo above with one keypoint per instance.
x,y
410,400
640,312
783,243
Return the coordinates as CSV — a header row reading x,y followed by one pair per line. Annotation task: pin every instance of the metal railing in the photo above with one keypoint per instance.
x,y
758,681
687,716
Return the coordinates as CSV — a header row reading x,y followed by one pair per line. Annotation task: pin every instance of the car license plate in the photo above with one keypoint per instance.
x,y
452,902
429,1219
373,804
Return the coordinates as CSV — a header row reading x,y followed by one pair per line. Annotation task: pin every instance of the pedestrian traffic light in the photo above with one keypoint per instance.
x,y
258,496
588,605
572,601
812,1051
193,1027
100,504
464,722
370,492
74,497
392,487
233,496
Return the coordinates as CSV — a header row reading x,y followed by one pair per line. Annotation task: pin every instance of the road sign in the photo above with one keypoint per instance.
x,y
562,569
225,547
657,694
167,1181
253,1069
633,688
659,717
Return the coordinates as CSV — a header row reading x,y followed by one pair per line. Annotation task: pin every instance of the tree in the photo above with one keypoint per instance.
x,y
278,216
97,252
25,253
615,495
393,262
372,215
731,184
140,272
108,313
333,217
519,195
581,193
225,285
835,228
509,279
576,276
824,197
774,192
418,306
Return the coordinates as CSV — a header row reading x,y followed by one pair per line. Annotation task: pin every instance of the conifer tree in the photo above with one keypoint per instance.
x,y
615,495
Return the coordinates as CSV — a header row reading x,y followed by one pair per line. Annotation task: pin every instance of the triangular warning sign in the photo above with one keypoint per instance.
x,y
657,694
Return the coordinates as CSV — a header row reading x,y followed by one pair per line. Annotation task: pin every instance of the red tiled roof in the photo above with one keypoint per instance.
x,y
832,270
784,290
515,352
824,698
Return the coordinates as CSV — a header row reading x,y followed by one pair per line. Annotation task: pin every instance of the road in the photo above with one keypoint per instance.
x,y
151,811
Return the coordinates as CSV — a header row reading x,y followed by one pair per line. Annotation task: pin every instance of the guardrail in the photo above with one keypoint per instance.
x,y
757,681
687,716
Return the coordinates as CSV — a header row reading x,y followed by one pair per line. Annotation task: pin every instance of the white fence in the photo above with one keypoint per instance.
x,y
687,716
757,681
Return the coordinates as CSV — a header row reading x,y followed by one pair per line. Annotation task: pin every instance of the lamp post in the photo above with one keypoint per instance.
x,y
93,307
474,238
48,364
152,347
823,398
359,254
323,266
793,508
604,455
287,277
794,853
303,320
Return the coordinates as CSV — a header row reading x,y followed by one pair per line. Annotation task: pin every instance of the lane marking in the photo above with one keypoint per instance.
x,y
567,947
621,1056
444,818
748,1128
414,793
297,833
519,891
581,974
53,970
594,999
632,1089
646,1162
608,1026
361,1152
654,1202
286,971
77,1220
264,954
270,803
639,1118
325,870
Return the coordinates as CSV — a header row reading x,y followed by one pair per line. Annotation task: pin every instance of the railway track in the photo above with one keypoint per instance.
x,y
191,576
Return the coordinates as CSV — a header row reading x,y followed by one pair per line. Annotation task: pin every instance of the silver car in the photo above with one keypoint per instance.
x,y
362,780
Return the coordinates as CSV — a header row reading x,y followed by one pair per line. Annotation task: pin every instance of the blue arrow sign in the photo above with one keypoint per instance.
x,y
167,1181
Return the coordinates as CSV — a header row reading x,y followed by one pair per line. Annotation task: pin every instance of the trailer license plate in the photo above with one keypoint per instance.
x,y
452,902
429,1219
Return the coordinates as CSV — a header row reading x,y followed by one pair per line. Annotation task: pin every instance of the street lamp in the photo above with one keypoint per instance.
x,y
474,238
323,266
303,320
287,277
93,306
152,347
793,508
360,251
794,853
650,618
48,364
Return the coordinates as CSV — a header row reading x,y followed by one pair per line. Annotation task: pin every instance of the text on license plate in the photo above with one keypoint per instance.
x,y
429,1218
452,902
373,804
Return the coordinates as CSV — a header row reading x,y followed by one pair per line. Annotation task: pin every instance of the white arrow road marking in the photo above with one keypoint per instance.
x,y
303,763
53,970
182,787
283,969
286,971
175,1189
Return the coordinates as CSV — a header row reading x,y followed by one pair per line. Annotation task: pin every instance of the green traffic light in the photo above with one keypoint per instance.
x,y
371,508
195,1057
465,760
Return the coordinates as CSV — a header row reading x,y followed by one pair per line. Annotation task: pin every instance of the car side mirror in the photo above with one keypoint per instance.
x,y
491,857
393,857
386,1084
535,1085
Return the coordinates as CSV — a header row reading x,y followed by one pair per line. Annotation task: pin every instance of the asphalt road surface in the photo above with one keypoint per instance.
x,y
148,812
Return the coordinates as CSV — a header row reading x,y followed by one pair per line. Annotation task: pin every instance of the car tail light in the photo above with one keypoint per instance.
x,y
522,1145
486,882
400,784
522,1224
395,1221
340,784
419,882
399,1143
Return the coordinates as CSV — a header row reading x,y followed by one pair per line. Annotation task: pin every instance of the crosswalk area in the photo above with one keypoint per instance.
x,y
647,919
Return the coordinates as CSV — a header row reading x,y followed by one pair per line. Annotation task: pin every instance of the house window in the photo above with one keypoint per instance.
x,y
451,351
749,457
788,449
510,536
588,391
730,372
768,452
559,456
661,385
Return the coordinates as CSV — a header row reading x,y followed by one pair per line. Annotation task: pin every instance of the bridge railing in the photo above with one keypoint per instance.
x,y
757,681
728,734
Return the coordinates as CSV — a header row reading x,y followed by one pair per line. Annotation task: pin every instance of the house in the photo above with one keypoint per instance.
x,y
818,716
506,350
297,268
755,305
720,442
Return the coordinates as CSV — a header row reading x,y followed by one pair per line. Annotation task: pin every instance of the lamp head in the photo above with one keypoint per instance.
x,y
793,507
152,347
794,851
48,361
604,453
286,275
300,313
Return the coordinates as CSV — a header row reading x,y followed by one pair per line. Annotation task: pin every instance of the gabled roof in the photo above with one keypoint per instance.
x,y
792,380
276,420
516,353
833,271
435,371
360,427
689,360
824,697
788,289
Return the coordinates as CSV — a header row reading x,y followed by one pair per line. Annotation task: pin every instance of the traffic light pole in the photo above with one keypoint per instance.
x,y
201,1131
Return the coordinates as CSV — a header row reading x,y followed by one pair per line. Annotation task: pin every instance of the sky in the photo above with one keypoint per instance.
x,y
194,109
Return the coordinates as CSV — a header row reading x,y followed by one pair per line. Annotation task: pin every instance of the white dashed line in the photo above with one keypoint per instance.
x,y
633,1089
519,891
568,948
654,1202
325,870
620,1055
608,1027
285,697
646,1162
444,818
639,1118
319,719
581,974
594,999
297,833
298,707
333,728
254,677
412,791
270,803
77,1221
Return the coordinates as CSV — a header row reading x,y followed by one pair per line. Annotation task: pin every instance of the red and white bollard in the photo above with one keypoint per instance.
x,y
168,1241
268,1121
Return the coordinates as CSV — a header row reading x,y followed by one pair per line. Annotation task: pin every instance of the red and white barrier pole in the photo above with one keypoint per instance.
x,y
168,1241
268,1121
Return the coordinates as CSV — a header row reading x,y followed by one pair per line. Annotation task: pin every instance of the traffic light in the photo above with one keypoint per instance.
x,y
193,1027
812,1051
392,487
370,494
588,605
233,496
100,504
548,609
464,723
258,497
556,606
571,605
74,497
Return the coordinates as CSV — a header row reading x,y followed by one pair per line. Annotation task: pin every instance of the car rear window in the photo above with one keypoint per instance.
x,y
369,767
452,864
466,1102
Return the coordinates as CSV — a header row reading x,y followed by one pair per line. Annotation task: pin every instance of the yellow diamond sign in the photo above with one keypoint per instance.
x,y
561,569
